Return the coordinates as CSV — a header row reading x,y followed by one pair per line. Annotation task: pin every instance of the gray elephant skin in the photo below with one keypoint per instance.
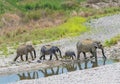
x,y
24,50
49,50
89,45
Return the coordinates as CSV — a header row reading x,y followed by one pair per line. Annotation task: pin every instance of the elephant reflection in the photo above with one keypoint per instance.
x,y
50,71
69,67
84,65
59,69
28,75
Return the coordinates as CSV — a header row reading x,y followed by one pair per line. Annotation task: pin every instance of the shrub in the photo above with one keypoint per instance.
x,y
112,41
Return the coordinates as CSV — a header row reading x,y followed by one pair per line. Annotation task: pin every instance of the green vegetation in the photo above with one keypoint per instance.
x,y
34,10
112,41
74,26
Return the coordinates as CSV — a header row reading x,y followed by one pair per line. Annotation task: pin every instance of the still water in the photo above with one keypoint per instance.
x,y
54,70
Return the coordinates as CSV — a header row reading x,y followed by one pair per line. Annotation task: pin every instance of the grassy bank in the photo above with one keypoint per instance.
x,y
29,10
72,27
112,41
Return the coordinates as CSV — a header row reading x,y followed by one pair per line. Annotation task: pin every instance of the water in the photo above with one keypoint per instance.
x,y
54,70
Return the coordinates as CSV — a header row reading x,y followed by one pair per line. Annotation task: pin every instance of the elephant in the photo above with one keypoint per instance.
x,y
24,50
70,54
89,45
49,50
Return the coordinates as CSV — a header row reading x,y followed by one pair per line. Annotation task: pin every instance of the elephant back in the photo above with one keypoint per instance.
x,y
87,41
21,49
48,47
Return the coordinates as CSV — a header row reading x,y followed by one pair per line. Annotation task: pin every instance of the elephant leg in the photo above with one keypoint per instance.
x,y
50,57
72,58
84,55
22,57
95,55
56,56
26,56
34,54
92,54
16,58
42,56
78,55
31,55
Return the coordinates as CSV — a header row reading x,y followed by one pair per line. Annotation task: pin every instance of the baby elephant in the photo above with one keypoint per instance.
x,y
49,50
24,50
89,45
70,54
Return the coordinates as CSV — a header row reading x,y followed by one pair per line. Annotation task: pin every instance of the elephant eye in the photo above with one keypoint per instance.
x,y
100,45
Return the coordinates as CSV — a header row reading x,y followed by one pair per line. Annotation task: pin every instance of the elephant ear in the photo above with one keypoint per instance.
x,y
95,45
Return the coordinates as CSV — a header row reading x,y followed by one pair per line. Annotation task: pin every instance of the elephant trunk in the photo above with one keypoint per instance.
x,y
103,53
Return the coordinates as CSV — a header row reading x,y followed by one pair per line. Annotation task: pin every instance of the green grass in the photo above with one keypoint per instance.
x,y
32,9
112,41
72,27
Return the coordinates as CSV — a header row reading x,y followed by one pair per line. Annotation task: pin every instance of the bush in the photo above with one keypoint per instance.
x,y
112,41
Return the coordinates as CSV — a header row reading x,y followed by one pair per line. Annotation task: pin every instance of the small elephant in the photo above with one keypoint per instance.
x,y
70,54
24,50
49,50
89,45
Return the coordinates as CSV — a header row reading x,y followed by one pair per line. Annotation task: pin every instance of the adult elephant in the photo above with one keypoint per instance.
x,y
49,50
89,45
24,50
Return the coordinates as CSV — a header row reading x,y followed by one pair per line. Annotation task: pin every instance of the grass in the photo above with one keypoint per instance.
x,y
72,27
33,9
112,41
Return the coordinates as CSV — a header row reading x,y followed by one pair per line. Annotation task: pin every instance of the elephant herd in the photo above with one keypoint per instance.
x,y
87,45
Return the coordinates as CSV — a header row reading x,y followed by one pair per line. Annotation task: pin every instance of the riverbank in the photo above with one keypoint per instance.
x,y
108,74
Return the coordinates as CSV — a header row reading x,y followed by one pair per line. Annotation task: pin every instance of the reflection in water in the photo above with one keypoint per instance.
x,y
55,70
28,75
60,69
50,71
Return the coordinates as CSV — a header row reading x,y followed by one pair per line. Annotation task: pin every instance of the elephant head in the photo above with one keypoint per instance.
x,y
99,45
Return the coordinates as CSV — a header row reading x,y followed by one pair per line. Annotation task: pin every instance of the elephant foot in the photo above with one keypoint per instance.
x,y
38,61
91,56
85,58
